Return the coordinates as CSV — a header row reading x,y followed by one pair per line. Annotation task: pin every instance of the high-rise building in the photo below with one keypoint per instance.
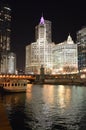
x,y
65,57
43,30
81,42
7,58
5,26
5,32
40,52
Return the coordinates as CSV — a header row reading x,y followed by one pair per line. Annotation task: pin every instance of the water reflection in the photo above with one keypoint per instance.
x,y
64,96
29,92
48,94
47,107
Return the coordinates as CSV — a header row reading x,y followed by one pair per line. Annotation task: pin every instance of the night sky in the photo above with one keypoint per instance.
x,y
66,17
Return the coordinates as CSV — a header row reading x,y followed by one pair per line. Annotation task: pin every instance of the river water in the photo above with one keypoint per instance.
x,y
47,107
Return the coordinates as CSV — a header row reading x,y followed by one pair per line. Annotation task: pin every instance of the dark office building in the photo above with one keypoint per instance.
x,y
5,26
81,41
7,58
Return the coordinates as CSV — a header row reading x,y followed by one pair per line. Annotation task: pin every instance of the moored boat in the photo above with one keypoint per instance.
x,y
15,85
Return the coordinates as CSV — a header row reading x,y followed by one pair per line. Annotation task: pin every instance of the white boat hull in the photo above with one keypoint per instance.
x,y
15,85
15,89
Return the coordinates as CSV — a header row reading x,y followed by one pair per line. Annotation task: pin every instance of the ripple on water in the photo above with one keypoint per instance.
x,y
48,107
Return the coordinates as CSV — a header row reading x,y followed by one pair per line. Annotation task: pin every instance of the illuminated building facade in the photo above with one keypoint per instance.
x,y
65,57
7,58
5,26
81,42
40,52
9,63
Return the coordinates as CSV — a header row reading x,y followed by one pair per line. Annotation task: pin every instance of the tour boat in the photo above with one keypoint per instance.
x,y
15,85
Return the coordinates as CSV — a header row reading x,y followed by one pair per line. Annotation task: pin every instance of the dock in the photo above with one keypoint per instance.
x,y
4,122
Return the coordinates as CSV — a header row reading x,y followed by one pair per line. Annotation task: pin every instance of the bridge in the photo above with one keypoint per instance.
x,y
79,77
13,76
47,76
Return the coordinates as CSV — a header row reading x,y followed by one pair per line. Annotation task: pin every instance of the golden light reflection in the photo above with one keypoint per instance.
x,y
48,93
29,92
13,99
64,96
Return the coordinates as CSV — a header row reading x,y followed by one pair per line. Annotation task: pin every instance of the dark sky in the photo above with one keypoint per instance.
x,y
66,17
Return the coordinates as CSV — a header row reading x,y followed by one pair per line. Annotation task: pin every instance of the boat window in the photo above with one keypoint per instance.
x,y
18,84
24,84
12,84
15,84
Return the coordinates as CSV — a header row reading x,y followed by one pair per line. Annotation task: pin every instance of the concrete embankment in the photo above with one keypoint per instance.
x,y
65,81
4,122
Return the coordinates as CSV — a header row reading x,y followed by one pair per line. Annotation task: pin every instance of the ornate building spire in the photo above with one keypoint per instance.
x,y
69,40
42,19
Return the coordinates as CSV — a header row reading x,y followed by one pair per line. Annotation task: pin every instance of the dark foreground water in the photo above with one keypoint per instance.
x,y
47,107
